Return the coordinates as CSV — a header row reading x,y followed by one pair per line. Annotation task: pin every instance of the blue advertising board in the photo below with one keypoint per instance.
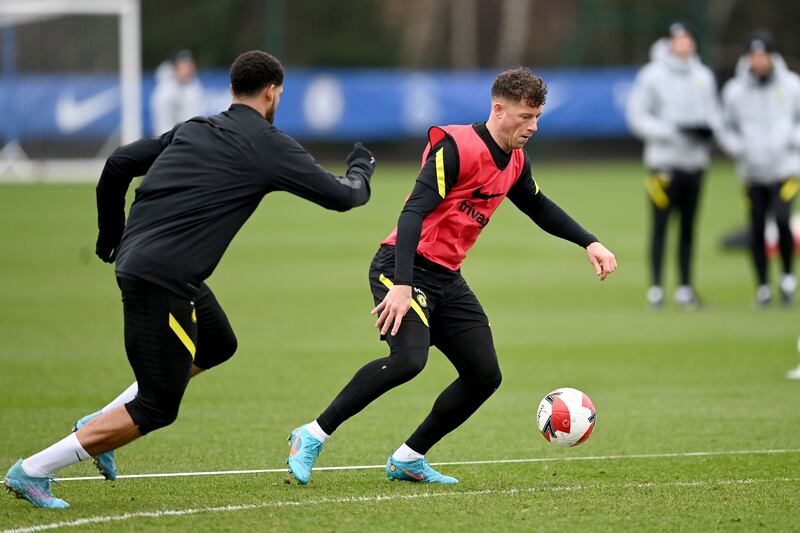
x,y
326,105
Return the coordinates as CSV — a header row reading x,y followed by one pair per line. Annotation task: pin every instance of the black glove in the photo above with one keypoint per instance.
x,y
108,244
700,132
362,157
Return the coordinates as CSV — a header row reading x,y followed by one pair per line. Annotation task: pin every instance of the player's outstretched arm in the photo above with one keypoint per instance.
x,y
525,194
297,172
601,259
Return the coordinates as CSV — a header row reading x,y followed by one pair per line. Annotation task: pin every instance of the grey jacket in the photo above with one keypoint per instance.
x,y
670,92
760,125
172,102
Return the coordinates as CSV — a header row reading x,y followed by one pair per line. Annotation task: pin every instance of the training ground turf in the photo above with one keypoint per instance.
x,y
294,283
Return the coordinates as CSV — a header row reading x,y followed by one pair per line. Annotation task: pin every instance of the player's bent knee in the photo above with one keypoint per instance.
x,y
158,419
496,383
214,354
228,348
496,379
491,380
487,380
233,345
409,361
153,415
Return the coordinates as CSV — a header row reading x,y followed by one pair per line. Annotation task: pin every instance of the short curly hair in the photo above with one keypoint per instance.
x,y
254,70
520,85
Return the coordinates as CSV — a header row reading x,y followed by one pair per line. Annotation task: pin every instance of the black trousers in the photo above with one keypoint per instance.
x,y
669,191
775,198
446,314
164,335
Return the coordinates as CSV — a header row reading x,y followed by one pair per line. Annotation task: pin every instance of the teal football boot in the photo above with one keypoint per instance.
x,y
34,489
305,450
105,461
418,471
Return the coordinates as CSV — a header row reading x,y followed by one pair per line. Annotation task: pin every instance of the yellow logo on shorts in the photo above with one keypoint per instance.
x,y
194,316
420,297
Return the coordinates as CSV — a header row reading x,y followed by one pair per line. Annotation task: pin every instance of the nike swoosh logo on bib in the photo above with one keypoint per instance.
x,y
485,196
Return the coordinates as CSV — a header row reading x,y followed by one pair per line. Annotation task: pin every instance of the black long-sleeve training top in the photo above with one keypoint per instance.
x,y
202,180
525,194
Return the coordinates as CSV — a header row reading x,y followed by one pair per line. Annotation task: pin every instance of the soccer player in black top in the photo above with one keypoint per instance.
x,y
202,180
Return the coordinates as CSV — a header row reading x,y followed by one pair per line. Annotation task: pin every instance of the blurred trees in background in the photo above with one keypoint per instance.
x,y
300,33
456,33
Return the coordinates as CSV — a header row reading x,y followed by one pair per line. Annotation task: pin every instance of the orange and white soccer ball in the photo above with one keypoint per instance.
x,y
566,417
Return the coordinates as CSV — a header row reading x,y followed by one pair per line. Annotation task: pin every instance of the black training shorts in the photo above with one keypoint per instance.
x,y
166,333
441,298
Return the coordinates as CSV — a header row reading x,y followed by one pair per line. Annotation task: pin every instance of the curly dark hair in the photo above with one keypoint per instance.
x,y
520,85
254,70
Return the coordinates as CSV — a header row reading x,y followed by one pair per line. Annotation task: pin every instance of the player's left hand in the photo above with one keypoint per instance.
x,y
602,260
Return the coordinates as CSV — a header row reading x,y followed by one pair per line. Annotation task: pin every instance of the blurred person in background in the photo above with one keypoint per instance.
x,y
178,94
761,130
672,108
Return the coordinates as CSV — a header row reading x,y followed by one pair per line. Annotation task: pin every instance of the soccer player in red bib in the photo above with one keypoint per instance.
x,y
423,300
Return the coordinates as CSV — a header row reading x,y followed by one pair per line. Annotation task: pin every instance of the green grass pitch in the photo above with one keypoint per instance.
x,y
294,284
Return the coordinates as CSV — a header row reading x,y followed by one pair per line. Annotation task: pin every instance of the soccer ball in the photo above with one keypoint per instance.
x,y
566,417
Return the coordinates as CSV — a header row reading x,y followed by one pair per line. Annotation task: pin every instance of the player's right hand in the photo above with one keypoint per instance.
x,y
107,245
393,308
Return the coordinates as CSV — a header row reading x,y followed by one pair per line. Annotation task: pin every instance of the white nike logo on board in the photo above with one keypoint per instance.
x,y
73,115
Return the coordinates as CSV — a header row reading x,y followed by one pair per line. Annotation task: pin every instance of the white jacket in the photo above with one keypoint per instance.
x,y
172,101
670,92
761,123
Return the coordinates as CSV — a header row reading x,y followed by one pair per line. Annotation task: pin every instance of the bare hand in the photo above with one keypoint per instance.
x,y
393,308
602,260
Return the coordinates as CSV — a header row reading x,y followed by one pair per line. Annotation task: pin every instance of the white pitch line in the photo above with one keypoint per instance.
x,y
457,463
389,497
